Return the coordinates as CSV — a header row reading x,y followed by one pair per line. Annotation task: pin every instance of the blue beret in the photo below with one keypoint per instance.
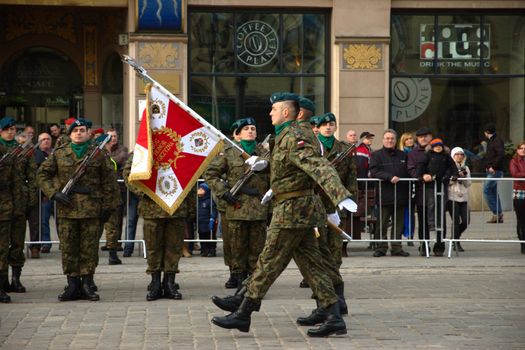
x,y
6,122
325,118
283,96
306,103
241,123
79,122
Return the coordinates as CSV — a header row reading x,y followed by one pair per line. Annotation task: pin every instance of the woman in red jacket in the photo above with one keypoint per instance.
x,y
517,169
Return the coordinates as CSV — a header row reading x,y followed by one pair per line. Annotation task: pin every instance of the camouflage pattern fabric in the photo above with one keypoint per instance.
x,y
297,166
246,241
5,230
79,245
164,239
62,140
100,179
113,229
226,240
231,164
16,241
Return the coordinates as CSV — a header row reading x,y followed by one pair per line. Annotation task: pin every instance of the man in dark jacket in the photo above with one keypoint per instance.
x,y
390,164
414,161
494,163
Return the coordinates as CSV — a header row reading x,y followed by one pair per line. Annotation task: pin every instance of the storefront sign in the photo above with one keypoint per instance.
x,y
410,98
458,45
257,43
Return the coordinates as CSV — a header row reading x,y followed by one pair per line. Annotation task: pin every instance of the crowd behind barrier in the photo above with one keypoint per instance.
x,y
369,213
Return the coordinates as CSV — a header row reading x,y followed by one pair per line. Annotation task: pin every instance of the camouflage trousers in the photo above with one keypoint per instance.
x,y
247,242
328,258
164,239
335,245
281,245
79,245
226,241
5,228
113,229
16,242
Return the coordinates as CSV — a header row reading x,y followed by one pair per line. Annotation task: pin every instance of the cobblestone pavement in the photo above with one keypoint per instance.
x,y
472,301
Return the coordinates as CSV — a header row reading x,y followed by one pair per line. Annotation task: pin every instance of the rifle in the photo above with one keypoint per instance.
x,y
249,173
341,156
28,152
15,153
81,169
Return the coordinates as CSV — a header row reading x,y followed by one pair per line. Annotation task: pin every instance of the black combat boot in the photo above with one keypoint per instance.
x,y
170,290
155,290
113,257
241,318
87,291
4,298
232,302
231,283
334,324
72,291
317,316
16,286
340,291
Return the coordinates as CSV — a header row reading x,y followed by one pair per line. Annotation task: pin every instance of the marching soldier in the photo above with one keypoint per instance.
x,y
25,169
246,215
81,213
164,237
296,166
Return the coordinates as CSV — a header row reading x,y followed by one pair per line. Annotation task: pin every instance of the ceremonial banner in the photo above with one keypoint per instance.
x,y
172,150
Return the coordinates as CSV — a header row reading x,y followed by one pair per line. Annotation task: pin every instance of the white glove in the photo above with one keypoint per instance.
x,y
267,197
334,218
348,204
256,163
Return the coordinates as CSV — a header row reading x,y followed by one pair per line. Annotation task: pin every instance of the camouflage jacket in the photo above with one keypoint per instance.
x,y
28,196
10,188
346,169
148,209
100,179
231,164
62,140
309,134
297,165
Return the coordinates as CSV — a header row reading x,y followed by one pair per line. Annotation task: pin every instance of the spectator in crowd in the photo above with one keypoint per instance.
x,y
207,216
55,131
414,159
494,164
458,196
351,137
389,165
21,138
363,153
362,159
435,171
39,231
517,169
406,144
30,132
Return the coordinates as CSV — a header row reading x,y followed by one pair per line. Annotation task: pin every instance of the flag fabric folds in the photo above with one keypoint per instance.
x,y
172,150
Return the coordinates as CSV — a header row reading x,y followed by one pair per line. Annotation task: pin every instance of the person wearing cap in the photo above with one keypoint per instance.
x,y
206,218
10,190
246,216
363,153
414,158
164,237
26,198
82,212
458,190
389,165
315,129
494,165
435,171
306,117
296,168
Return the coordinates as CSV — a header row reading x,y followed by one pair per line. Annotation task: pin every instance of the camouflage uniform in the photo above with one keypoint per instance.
x,y
79,227
295,164
163,233
62,140
247,221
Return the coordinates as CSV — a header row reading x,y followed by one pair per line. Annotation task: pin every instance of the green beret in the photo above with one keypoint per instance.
x,y
325,118
313,120
283,96
6,122
79,122
241,123
306,103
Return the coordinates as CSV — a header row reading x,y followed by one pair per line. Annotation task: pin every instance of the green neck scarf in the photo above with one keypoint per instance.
x,y
328,142
248,146
79,149
280,128
8,144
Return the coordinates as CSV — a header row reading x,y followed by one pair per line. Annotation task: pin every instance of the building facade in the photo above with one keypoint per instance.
x,y
451,65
